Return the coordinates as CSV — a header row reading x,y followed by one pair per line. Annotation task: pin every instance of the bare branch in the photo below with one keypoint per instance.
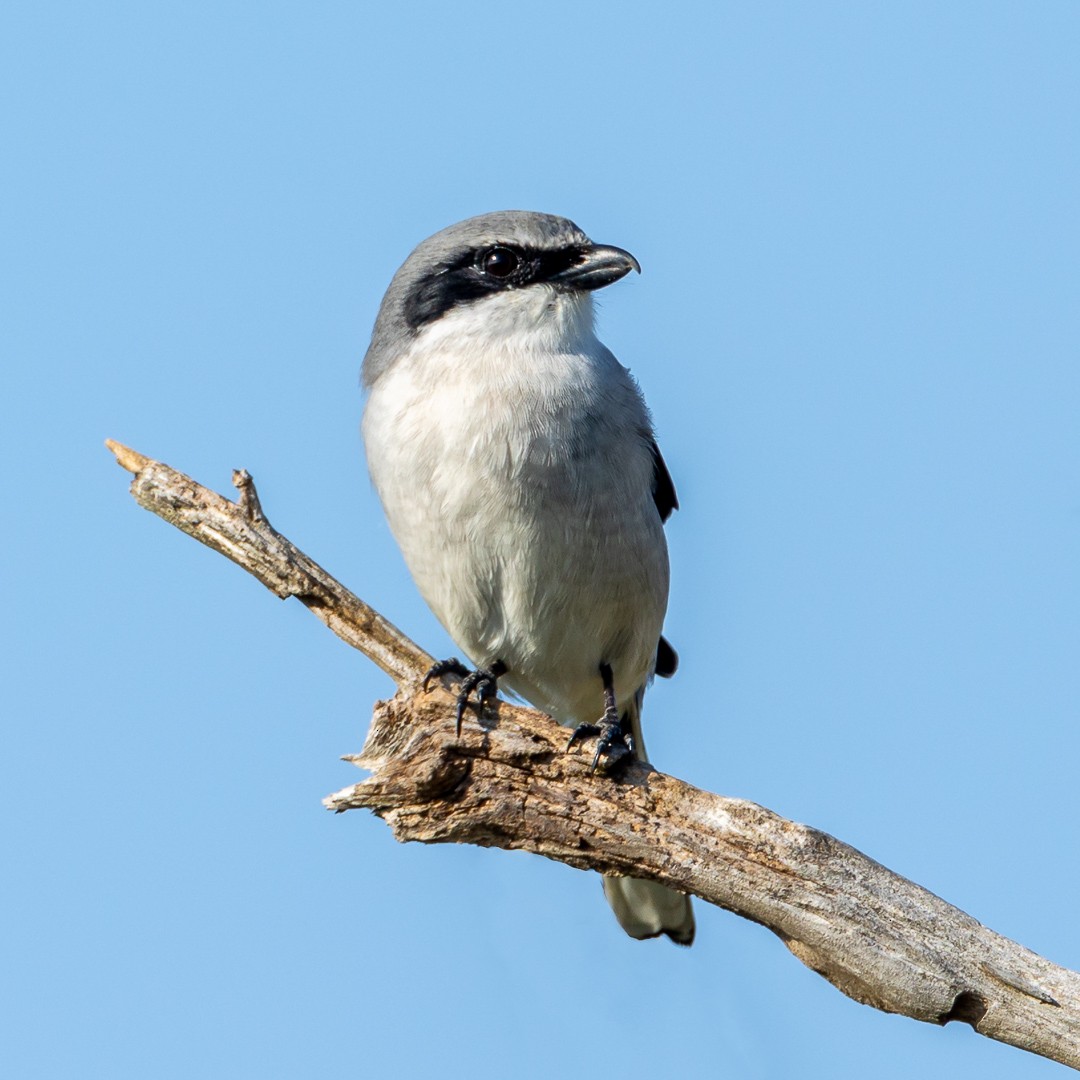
x,y
508,783
240,532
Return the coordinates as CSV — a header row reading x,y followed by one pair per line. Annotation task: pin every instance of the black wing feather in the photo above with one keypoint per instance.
x,y
663,490
667,659
663,493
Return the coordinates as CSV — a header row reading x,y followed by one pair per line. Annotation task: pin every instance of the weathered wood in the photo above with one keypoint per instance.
x,y
240,532
508,782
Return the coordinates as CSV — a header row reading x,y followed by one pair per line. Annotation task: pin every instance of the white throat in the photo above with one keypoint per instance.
x,y
535,320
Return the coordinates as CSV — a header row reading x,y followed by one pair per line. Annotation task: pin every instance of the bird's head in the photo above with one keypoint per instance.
x,y
497,275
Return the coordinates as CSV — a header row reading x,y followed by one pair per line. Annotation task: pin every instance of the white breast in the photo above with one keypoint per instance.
x,y
515,469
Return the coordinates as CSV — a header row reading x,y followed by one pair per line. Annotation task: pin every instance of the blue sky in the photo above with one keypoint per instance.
x,y
857,329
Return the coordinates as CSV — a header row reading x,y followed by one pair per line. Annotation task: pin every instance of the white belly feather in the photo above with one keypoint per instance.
x,y
519,490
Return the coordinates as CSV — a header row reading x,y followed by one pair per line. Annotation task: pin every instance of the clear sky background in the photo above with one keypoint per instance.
x,y
858,331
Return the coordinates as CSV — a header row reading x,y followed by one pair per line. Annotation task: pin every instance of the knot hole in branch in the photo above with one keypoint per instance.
x,y
968,1007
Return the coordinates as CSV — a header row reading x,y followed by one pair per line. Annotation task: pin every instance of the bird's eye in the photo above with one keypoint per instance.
x,y
499,262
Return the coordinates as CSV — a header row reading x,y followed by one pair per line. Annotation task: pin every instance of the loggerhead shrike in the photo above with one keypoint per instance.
x,y
516,462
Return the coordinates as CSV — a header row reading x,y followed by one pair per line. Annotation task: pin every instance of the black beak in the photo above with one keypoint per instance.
x,y
597,266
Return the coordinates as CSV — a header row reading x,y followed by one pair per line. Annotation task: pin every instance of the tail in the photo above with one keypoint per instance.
x,y
647,909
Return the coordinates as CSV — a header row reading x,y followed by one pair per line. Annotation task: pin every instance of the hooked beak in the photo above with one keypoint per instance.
x,y
597,266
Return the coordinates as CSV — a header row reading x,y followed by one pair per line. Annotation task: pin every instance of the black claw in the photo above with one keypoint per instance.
x,y
610,738
453,666
581,733
484,682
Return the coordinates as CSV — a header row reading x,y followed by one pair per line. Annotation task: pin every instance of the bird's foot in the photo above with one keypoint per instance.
x,y
610,738
484,682
453,666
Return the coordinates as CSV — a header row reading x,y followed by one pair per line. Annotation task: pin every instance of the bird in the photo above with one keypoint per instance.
x,y
518,469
